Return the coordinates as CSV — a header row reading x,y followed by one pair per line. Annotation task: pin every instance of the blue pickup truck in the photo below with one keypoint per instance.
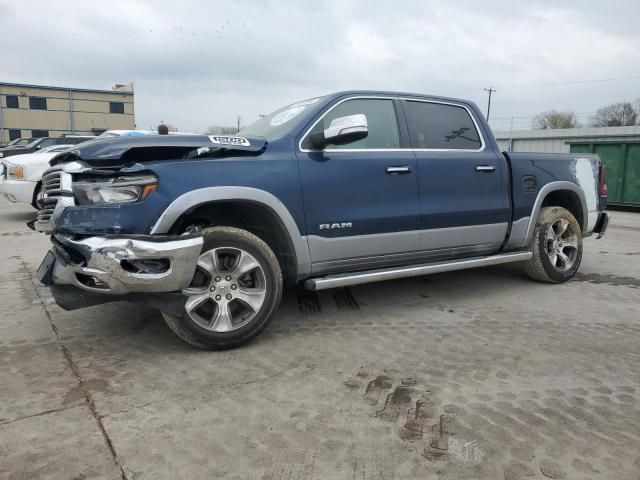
x,y
338,190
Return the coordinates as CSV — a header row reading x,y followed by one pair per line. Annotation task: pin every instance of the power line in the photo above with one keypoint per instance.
x,y
571,82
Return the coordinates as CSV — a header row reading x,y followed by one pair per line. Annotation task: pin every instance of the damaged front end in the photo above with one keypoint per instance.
x,y
98,215
135,268
122,264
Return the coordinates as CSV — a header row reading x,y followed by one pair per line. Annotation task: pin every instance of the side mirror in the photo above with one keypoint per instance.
x,y
342,130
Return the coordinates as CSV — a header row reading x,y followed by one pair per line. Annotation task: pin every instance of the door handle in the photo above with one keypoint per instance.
x,y
398,170
485,168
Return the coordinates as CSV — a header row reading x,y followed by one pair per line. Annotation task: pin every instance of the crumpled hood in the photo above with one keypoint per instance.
x,y
160,147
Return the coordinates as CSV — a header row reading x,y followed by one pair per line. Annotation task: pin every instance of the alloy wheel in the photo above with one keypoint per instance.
x,y
228,290
562,245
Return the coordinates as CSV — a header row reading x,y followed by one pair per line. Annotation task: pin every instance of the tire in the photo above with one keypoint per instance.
x,y
556,246
212,322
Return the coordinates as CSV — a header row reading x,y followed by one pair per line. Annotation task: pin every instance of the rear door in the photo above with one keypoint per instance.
x,y
360,199
464,184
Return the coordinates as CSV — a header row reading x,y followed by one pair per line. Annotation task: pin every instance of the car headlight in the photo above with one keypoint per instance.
x,y
1,154
15,172
114,190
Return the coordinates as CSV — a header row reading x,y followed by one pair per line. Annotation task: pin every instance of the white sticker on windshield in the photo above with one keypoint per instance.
x,y
286,115
237,141
291,112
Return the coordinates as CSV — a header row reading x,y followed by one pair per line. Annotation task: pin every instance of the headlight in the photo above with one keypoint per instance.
x,y
16,172
114,190
1,154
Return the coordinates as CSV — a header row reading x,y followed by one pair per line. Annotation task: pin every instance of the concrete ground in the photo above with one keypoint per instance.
x,y
475,374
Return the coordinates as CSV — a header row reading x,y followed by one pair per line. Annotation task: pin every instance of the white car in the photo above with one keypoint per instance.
x,y
20,175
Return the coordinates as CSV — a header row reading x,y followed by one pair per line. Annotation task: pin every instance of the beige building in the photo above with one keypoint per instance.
x,y
40,111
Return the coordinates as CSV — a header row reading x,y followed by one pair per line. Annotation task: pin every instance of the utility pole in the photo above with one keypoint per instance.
x,y
490,90
238,123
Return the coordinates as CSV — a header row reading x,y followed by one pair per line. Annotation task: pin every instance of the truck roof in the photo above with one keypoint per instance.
x,y
398,94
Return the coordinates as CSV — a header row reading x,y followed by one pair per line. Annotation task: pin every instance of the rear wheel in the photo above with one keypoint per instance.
x,y
556,246
234,293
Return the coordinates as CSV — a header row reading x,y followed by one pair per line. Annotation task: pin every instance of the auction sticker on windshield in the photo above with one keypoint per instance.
x,y
237,141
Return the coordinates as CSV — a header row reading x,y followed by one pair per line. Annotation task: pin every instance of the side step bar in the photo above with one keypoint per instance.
x,y
370,276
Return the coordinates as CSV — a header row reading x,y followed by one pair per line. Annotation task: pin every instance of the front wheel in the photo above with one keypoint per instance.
x,y
234,293
556,246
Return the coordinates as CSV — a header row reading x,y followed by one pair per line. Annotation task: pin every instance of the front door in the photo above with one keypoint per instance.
x,y
360,199
464,184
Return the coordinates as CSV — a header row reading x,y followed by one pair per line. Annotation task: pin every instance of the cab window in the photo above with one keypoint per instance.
x,y
381,120
440,126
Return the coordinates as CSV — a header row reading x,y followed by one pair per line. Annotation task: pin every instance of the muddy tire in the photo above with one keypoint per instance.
x,y
556,246
234,294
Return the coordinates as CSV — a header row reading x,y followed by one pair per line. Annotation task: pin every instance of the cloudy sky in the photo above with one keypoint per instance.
x,y
201,63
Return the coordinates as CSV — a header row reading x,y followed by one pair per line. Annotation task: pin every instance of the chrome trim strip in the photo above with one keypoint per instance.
x,y
392,97
212,194
411,271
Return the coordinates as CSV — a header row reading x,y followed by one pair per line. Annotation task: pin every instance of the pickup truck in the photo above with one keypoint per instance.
x,y
333,191
21,175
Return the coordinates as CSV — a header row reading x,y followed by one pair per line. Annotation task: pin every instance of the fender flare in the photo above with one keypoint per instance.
x,y
201,196
542,194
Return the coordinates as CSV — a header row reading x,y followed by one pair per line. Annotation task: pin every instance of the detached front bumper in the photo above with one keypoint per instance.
x,y
122,264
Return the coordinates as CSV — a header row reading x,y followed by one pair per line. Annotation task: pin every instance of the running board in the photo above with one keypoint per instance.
x,y
370,276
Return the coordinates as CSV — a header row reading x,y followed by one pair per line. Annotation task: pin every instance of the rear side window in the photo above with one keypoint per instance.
x,y
381,120
439,126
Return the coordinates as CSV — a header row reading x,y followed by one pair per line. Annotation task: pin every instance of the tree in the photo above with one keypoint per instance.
x,y
554,119
219,130
615,115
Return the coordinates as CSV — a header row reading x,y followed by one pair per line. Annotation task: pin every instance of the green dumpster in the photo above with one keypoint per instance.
x,y
622,162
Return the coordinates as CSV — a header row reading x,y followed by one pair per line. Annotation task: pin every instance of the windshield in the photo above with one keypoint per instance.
x,y
33,142
279,123
56,148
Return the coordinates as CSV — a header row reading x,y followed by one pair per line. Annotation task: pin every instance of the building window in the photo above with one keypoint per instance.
x,y
14,134
116,107
37,103
12,101
39,133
